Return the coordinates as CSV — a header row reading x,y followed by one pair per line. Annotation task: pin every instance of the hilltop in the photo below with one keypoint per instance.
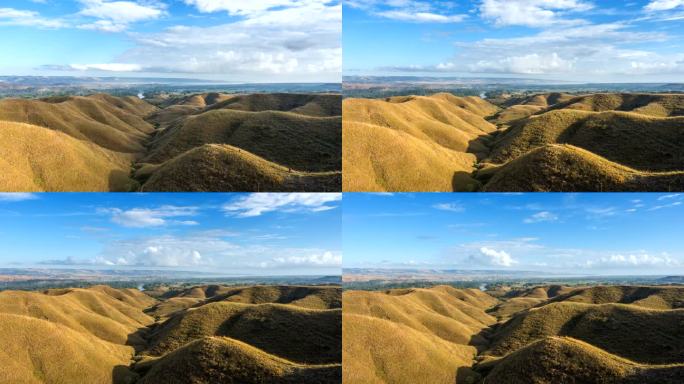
x,y
544,142
543,334
201,142
195,335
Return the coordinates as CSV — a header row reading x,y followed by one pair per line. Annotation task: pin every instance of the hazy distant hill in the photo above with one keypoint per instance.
x,y
545,334
260,334
201,142
545,142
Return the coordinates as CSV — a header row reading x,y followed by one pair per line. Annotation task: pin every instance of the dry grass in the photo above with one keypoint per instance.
x,y
564,168
37,351
413,336
565,360
223,360
640,334
656,297
34,158
204,169
297,334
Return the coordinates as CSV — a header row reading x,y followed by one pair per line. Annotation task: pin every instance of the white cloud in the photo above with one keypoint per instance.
x,y
298,42
247,7
530,64
122,12
633,260
414,11
544,216
104,26
256,204
11,16
325,259
670,196
147,217
111,67
489,256
451,207
17,196
532,13
663,5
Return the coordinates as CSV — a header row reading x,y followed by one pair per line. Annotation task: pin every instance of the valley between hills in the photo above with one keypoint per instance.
x,y
202,334
188,143
541,335
547,142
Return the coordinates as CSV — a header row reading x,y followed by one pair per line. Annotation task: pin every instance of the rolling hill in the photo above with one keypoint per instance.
x,y
544,334
544,142
253,334
202,142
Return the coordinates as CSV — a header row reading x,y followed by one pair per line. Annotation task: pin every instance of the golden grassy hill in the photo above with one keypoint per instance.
x,y
112,123
224,360
34,158
297,334
650,297
379,351
561,360
518,301
320,105
413,335
635,140
301,296
518,108
655,336
435,142
204,169
296,141
38,351
659,105
564,168
109,315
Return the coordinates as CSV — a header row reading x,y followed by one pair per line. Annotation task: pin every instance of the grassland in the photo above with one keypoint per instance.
x,y
546,334
546,142
204,334
203,142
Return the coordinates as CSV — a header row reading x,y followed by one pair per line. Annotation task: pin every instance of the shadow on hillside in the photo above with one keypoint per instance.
x,y
122,374
466,375
464,182
120,181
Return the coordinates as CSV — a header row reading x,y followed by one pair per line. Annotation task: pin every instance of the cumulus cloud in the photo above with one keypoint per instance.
x,y
325,259
415,11
297,39
492,257
532,13
122,12
256,204
543,216
17,196
151,217
111,67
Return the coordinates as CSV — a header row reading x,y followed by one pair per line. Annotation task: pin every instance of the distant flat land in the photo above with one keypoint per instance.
x,y
543,334
544,142
199,142
201,334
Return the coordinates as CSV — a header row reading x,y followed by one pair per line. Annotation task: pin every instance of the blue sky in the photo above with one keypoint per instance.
x,y
223,40
576,40
589,233
258,234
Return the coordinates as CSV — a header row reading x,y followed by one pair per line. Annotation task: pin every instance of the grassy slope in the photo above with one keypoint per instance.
x,y
216,359
426,152
564,168
112,123
655,336
34,158
438,329
204,169
658,105
561,360
298,334
634,140
643,296
37,351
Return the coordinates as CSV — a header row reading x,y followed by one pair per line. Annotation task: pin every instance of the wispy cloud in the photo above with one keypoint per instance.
x,y
17,196
414,11
451,207
151,217
543,216
257,204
